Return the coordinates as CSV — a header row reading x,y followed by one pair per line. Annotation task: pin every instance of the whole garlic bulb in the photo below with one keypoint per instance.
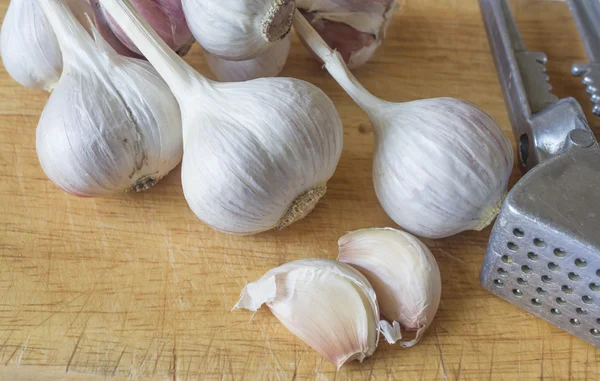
x,y
441,165
165,17
238,30
257,154
355,28
267,64
327,304
403,273
111,124
29,48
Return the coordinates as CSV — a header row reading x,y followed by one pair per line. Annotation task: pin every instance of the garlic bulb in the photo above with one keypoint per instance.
x,y
257,154
164,16
403,273
238,30
29,49
327,304
355,28
267,64
111,124
441,165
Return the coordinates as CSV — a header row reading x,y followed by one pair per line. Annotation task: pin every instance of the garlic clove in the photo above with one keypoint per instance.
x,y
403,273
166,17
29,48
327,304
111,124
267,64
239,30
354,28
441,166
258,154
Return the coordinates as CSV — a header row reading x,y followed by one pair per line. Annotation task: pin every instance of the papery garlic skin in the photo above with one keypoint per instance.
x,y
267,64
354,28
264,162
257,154
403,273
28,46
111,124
327,304
441,166
238,30
166,17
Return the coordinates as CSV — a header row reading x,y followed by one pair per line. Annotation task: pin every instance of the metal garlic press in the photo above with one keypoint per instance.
x,y
587,18
544,250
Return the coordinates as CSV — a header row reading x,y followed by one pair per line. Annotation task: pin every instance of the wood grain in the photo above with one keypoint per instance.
x,y
136,287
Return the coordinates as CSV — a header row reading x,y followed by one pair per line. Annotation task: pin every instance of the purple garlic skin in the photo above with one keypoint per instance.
x,y
164,16
355,28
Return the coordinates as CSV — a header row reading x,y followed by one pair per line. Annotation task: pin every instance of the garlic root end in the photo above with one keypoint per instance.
x,y
301,206
278,20
144,183
490,215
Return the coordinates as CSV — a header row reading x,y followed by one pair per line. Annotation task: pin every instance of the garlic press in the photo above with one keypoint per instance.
x,y
587,18
544,250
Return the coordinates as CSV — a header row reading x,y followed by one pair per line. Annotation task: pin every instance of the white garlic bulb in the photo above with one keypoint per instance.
x,y
267,64
403,273
354,28
28,47
111,124
257,154
441,165
327,304
238,30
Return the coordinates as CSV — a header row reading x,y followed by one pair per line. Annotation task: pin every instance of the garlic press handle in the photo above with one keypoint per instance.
x,y
541,123
587,17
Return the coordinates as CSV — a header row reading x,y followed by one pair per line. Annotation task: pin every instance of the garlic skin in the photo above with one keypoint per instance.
x,y
238,30
441,166
403,273
257,154
267,64
29,49
327,304
166,17
355,28
111,124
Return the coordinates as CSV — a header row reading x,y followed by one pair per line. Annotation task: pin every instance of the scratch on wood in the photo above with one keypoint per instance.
x,y
23,349
492,361
75,349
5,341
11,355
118,361
439,347
174,360
457,378
371,371
158,358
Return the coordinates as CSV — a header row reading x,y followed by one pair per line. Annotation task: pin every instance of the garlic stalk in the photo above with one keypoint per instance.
x,y
111,124
327,304
441,166
267,64
403,273
257,154
29,49
238,30
355,28
164,16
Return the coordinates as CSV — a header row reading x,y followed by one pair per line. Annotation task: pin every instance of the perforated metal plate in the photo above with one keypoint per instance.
x,y
544,251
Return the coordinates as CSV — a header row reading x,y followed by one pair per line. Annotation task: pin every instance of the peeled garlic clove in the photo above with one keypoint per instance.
x,y
403,273
267,64
327,304
111,124
258,154
29,49
441,165
355,28
165,17
239,30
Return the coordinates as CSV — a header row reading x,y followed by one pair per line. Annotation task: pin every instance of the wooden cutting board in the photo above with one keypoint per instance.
x,y
136,287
